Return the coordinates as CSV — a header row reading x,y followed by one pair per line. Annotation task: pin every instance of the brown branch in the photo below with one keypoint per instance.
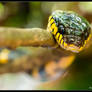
x,y
15,37
31,58
27,59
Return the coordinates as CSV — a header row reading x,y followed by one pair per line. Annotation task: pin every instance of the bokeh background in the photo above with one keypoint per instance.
x,y
35,14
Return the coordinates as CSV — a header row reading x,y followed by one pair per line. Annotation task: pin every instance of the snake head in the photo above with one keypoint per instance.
x,y
70,30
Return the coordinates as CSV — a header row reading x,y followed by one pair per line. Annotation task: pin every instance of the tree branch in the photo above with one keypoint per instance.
x,y
15,37
31,58
27,59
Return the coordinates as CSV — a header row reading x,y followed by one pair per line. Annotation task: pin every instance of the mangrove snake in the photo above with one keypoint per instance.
x,y
70,31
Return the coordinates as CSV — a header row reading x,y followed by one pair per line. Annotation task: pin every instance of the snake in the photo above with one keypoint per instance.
x,y
70,31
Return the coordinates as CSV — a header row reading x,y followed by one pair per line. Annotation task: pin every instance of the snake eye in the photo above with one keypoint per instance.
x,y
61,30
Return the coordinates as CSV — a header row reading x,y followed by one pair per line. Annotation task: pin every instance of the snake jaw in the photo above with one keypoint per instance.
x,y
73,48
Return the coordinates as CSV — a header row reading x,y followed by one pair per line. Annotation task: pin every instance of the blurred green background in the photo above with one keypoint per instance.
x,y
35,14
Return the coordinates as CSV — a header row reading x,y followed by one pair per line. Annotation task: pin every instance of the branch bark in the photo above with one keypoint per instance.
x,y
27,59
15,37
31,58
